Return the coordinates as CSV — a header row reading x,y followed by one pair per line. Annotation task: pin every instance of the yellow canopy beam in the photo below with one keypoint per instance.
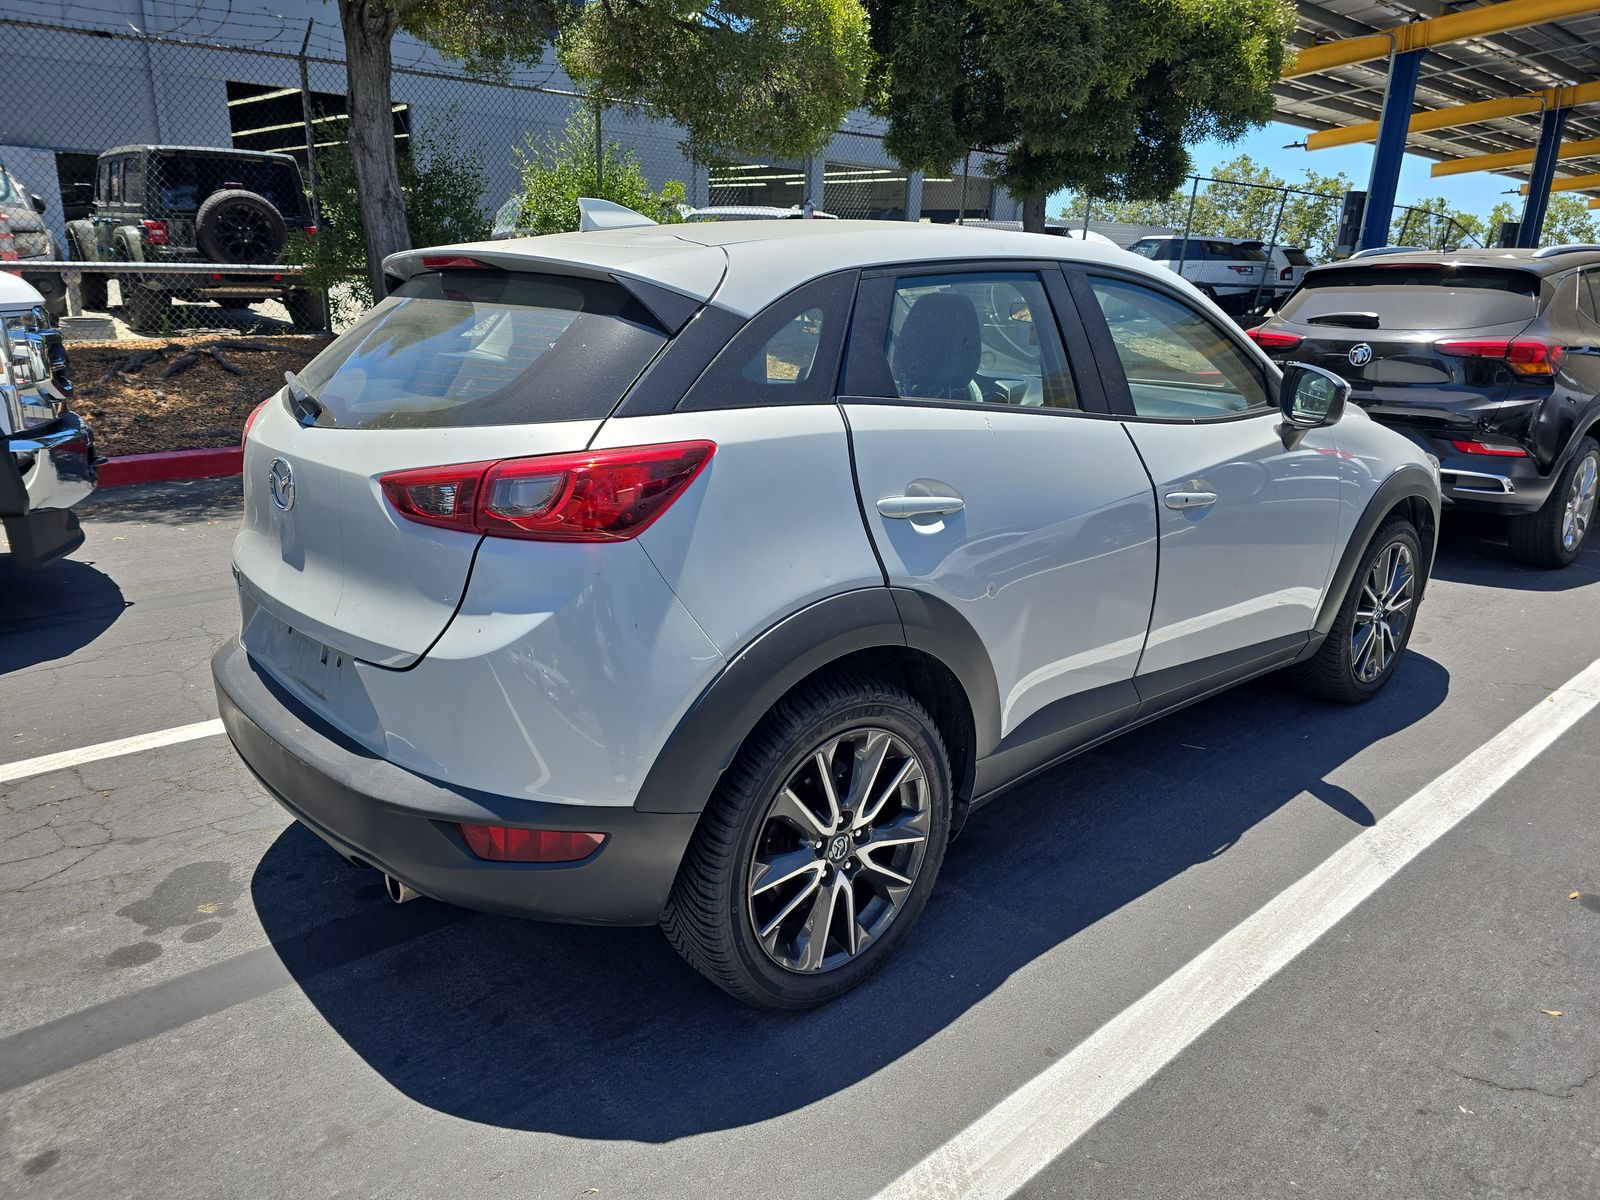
x,y
1463,114
1594,202
1589,148
1439,31
1574,183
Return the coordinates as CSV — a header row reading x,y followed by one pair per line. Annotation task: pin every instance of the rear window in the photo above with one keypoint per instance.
x,y
1418,295
1296,258
1234,252
487,347
180,183
1153,247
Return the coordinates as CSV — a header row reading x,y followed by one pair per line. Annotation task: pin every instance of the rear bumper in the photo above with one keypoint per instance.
x,y
42,474
369,809
1483,482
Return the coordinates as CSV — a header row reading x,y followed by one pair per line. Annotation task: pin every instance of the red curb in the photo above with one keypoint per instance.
x,y
171,465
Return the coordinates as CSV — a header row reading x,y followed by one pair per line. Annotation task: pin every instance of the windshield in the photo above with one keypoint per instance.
x,y
180,183
484,347
8,191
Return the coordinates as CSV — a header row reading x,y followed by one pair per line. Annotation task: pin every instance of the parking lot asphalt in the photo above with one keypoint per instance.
x,y
198,998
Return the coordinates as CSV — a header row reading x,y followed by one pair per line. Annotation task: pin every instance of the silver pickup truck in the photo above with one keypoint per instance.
x,y
47,455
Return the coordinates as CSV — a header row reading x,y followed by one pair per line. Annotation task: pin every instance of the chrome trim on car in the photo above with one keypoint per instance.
x,y
1476,481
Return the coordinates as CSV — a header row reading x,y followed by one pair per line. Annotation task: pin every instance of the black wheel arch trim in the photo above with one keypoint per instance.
x,y
705,740
1410,482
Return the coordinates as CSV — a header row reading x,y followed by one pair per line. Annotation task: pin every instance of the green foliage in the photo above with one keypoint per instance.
x,y
1567,219
742,76
443,184
558,170
1097,95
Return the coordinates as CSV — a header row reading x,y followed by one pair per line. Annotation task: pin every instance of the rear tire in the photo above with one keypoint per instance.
x,y
1553,537
92,285
772,818
1373,626
308,311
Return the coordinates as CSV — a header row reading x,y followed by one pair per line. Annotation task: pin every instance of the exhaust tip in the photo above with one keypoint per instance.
x,y
399,892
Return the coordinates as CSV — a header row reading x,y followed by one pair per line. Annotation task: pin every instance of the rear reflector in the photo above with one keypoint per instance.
x,y
452,262
501,843
594,496
1486,448
1525,356
1272,339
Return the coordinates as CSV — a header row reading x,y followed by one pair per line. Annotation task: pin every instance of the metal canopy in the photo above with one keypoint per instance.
x,y
1555,54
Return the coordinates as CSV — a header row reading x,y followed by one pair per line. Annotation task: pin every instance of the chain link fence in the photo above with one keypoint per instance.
x,y
184,172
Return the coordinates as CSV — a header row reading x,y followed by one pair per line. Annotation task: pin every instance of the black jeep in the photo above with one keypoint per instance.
x,y
186,204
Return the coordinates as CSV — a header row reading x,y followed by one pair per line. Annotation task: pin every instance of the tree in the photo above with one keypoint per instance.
x,y
442,184
1567,219
558,170
1241,200
1096,95
769,75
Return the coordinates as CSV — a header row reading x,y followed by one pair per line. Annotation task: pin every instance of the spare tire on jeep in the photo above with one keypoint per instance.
x,y
237,226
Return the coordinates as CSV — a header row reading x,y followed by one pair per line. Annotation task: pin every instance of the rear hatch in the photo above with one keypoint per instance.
x,y
1381,325
460,365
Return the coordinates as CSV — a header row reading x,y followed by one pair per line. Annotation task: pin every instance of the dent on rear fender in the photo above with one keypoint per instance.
x,y
559,679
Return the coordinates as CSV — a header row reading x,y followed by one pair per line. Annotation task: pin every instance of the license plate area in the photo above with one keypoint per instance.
x,y
300,661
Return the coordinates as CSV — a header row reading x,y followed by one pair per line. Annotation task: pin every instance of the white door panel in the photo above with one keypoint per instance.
x,y
1250,566
1051,556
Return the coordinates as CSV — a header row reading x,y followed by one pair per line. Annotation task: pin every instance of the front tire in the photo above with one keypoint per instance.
x,y
1373,626
820,847
1553,537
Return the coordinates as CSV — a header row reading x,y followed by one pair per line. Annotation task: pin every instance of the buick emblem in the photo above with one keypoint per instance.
x,y
1360,354
280,482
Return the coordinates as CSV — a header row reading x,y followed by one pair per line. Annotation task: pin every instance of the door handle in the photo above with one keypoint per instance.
x,y
903,507
1182,500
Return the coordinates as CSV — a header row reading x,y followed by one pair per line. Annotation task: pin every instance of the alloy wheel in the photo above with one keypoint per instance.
x,y
1382,612
1580,503
838,851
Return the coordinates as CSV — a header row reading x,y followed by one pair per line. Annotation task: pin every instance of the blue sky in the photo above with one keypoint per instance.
x,y
1475,193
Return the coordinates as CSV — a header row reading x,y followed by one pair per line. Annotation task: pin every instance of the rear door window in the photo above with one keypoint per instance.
x,y
485,347
978,337
1418,295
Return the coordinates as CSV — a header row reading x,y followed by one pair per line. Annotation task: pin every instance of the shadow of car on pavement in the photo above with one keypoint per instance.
x,y
49,612
605,1033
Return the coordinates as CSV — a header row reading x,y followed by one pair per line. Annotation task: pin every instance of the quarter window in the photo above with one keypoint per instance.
x,y
1178,364
979,338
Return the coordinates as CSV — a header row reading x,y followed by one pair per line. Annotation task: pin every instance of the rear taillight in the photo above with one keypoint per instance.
x,y
1466,447
594,496
251,420
1286,273
309,230
1273,339
502,843
1525,356
155,232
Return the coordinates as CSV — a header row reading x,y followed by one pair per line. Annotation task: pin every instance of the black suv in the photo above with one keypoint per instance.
x,y
188,204
1488,359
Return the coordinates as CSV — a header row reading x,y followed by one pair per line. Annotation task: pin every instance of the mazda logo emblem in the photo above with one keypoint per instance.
x,y
280,482
1360,355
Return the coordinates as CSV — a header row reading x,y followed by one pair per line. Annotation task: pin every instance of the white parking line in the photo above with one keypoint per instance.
x,y
1002,1150
87,754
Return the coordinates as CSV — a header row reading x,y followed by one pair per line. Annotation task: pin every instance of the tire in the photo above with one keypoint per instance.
x,y
1341,669
308,311
92,288
716,904
237,226
145,309
1553,537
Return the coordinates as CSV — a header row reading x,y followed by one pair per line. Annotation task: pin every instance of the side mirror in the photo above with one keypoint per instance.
x,y
1310,396
38,203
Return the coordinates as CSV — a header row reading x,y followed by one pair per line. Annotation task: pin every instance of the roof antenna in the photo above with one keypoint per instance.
x,y
603,214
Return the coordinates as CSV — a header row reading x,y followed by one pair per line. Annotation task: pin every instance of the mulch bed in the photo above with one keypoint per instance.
x,y
145,396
